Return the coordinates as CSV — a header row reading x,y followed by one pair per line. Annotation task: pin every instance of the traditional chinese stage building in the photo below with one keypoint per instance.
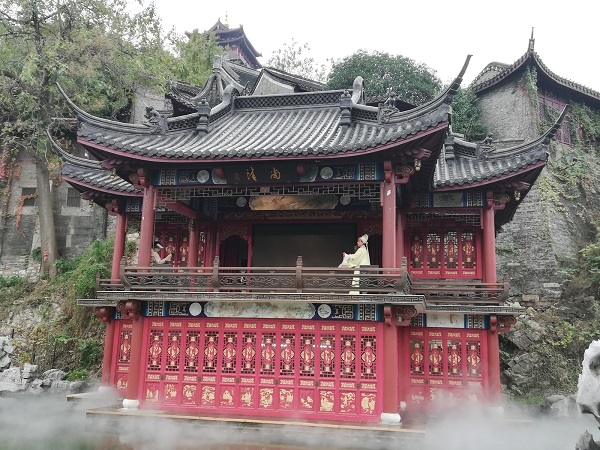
x,y
257,196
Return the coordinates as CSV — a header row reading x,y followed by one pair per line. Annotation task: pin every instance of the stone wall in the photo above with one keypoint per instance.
x,y
508,113
76,227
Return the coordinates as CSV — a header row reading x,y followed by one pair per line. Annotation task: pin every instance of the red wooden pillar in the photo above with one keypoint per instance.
x,y
194,228
216,243
147,227
489,246
391,350
489,276
209,245
494,362
118,252
390,331
119,248
388,204
399,238
131,400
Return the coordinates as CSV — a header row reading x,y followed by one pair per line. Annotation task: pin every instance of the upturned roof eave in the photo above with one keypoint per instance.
x,y
491,180
91,187
531,57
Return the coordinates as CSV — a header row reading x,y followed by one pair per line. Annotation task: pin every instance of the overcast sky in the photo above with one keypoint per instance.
x,y
439,33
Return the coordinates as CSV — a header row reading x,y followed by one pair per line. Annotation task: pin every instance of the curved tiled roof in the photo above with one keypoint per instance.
x,y
288,126
81,171
462,171
530,57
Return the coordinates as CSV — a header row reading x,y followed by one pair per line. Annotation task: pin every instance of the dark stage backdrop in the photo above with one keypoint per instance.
x,y
320,245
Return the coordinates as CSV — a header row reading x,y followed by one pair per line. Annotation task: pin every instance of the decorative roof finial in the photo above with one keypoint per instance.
x,y
531,42
226,18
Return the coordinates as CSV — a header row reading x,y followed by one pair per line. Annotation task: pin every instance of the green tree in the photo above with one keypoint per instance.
x,y
411,81
98,50
195,57
292,58
466,116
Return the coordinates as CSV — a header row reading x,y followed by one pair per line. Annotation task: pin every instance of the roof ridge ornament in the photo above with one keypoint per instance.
x,y
203,117
346,107
387,110
531,48
358,91
156,122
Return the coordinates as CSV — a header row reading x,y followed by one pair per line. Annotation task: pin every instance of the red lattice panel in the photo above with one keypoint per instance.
x,y
210,352
322,370
348,356
121,355
327,361
124,346
173,351
155,349
287,360
267,354
192,349
229,364
249,353
445,364
368,357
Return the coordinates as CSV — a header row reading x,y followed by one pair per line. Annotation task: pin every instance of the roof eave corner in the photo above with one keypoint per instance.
x,y
455,85
551,132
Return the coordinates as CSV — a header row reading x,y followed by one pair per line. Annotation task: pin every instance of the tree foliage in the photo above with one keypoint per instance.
x,y
466,116
292,58
411,81
101,53
195,57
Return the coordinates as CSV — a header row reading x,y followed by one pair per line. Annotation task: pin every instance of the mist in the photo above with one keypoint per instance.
x,y
50,422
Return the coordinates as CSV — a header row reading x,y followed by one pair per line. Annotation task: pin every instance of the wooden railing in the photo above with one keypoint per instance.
x,y
298,279
460,291
301,279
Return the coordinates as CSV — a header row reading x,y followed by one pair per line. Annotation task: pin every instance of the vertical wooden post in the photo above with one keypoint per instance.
x,y
391,405
493,348
388,204
399,238
489,276
107,358
390,331
118,252
147,227
299,274
194,230
489,246
215,275
131,400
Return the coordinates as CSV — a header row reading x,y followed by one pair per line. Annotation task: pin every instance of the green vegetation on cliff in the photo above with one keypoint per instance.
x,y
48,327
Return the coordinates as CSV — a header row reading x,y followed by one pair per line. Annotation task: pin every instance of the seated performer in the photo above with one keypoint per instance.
x,y
156,259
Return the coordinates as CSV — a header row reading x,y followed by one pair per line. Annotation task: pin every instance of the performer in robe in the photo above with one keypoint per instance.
x,y
359,258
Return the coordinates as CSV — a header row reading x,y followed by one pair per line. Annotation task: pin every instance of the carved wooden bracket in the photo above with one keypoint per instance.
x,y
140,179
500,201
404,314
505,322
132,309
112,207
403,174
104,313
387,314
388,171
